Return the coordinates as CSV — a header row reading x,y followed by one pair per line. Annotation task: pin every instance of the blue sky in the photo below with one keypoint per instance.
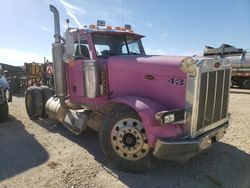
x,y
170,26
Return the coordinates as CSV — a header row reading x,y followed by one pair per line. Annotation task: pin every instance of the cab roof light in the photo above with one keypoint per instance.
x,y
127,27
101,23
118,28
92,26
108,27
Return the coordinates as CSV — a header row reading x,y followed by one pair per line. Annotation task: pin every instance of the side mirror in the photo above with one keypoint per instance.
x,y
69,47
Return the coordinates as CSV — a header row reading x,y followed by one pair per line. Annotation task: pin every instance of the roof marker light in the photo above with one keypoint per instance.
x,y
118,28
92,26
188,66
108,27
101,23
127,27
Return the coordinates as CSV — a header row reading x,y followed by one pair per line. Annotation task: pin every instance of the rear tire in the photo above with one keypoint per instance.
x,y
46,93
34,102
4,111
124,141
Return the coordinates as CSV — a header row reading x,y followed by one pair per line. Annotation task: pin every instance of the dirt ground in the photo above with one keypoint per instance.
x,y
45,154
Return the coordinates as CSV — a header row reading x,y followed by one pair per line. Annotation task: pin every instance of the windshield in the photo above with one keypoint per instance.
x,y
110,45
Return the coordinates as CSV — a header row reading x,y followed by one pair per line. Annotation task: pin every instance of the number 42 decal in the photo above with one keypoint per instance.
x,y
177,81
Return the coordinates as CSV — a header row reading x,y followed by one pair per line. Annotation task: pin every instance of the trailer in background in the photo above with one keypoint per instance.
x,y
240,60
38,74
31,74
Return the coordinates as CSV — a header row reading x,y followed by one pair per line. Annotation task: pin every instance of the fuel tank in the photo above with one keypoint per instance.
x,y
240,61
155,77
55,110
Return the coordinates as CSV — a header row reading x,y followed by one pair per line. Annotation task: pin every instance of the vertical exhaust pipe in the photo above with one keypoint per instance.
x,y
57,35
60,81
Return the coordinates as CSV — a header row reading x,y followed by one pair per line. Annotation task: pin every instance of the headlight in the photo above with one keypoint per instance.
x,y
188,66
166,117
169,118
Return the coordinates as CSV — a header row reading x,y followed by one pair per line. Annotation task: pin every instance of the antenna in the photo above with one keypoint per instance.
x,y
67,22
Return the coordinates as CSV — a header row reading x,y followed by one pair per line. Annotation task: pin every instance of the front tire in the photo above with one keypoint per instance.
x,y
4,111
124,141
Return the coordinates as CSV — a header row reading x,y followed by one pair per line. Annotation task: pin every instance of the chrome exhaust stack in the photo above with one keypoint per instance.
x,y
56,23
56,106
60,81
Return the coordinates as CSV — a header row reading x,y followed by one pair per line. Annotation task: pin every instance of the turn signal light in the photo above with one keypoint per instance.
x,y
109,27
188,66
118,28
92,26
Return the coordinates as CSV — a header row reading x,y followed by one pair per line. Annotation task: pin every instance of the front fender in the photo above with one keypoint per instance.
x,y
147,109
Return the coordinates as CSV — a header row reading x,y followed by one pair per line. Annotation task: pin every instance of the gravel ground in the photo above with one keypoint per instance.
x,y
45,154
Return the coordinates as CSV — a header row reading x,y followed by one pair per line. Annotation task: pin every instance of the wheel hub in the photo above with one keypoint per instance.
x,y
129,139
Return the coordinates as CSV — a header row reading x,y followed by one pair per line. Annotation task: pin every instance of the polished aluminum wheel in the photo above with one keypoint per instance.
x,y
129,139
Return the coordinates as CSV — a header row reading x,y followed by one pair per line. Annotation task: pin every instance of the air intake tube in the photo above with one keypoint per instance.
x,y
58,63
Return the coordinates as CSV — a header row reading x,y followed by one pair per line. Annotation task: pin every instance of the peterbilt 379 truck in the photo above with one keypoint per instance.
x,y
170,107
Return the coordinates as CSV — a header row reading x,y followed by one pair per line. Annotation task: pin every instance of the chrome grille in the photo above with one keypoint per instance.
x,y
213,97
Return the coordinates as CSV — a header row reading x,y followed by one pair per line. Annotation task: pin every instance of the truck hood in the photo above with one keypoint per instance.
x,y
158,78
161,65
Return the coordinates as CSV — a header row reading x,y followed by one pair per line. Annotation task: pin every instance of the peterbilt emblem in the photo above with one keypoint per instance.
x,y
217,65
149,77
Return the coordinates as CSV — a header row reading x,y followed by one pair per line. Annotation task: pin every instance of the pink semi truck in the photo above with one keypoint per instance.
x,y
170,107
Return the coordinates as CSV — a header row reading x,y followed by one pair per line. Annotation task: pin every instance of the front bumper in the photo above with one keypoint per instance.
x,y
183,150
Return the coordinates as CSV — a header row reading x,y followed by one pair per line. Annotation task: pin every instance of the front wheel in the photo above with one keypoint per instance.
x,y
124,141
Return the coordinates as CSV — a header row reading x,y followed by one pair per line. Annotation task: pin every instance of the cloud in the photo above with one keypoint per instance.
x,y
75,19
16,57
114,13
171,51
150,51
45,29
70,6
72,10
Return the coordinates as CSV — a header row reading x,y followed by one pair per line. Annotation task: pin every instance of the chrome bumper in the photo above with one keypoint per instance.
x,y
183,150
